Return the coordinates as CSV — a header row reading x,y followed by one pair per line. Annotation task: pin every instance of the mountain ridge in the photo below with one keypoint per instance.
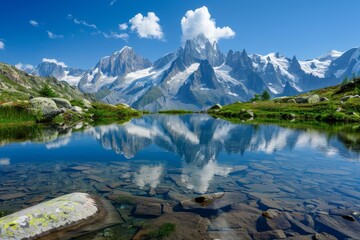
x,y
126,77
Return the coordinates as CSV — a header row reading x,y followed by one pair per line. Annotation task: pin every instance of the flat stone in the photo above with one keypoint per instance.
x,y
36,199
324,236
10,196
187,226
245,208
277,221
262,188
95,178
102,188
224,200
349,192
115,184
235,219
273,234
301,228
172,195
339,225
80,168
327,171
148,210
270,203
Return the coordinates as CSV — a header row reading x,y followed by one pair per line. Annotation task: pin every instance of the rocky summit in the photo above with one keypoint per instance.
x,y
198,75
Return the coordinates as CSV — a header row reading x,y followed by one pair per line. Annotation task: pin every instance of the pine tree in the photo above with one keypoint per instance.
x,y
265,96
47,91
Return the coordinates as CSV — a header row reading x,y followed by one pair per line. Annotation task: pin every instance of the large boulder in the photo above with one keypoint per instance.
x,y
57,218
45,107
308,99
61,102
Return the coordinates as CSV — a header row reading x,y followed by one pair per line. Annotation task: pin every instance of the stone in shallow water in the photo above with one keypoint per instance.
x,y
339,225
148,210
59,217
262,188
95,178
10,196
187,226
273,234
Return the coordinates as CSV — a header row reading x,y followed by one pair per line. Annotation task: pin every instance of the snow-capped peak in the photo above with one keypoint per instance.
x,y
331,55
318,66
123,49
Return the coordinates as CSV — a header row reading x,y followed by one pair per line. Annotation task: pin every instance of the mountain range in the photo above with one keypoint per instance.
x,y
198,75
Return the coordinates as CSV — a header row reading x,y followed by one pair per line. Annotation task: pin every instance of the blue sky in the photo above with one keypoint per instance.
x,y
80,32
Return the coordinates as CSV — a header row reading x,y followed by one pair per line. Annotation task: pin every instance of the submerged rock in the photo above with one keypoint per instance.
x,y
59,217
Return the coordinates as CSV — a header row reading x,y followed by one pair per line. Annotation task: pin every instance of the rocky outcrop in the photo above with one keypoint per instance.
x,y
61,102
45,108
308,99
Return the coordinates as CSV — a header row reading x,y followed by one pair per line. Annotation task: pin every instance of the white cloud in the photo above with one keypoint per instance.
x,y
81,22
4,161
53,35
113,2
24,67
2,45
123,36
34,23
51,60
123,26
198,22
147,26
148,175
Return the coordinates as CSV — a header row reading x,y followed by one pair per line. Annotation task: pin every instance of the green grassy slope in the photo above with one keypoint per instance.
x,y
331,111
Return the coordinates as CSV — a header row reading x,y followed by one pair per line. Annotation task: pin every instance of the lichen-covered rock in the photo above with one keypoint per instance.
x,y
46,108
47,217
61,102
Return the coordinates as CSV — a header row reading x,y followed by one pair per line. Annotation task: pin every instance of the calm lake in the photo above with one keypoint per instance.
x,y
311,177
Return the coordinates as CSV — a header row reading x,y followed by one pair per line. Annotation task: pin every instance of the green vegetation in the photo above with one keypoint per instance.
x,y
265,96
331,109
180,111
47,91
106,113
16,112
165,230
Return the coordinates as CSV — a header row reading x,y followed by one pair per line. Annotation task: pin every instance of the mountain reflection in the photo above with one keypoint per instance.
x,y
198,139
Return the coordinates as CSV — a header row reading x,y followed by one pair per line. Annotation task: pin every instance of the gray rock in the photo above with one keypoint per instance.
x,y
275,220
292,101
61,102
188,226
216,107
339,225
324,99
308,99
87,103
148,210
45,107
274,234
324,236
77,109
53,219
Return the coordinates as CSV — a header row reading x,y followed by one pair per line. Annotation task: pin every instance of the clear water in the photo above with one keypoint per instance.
x,y
308,172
